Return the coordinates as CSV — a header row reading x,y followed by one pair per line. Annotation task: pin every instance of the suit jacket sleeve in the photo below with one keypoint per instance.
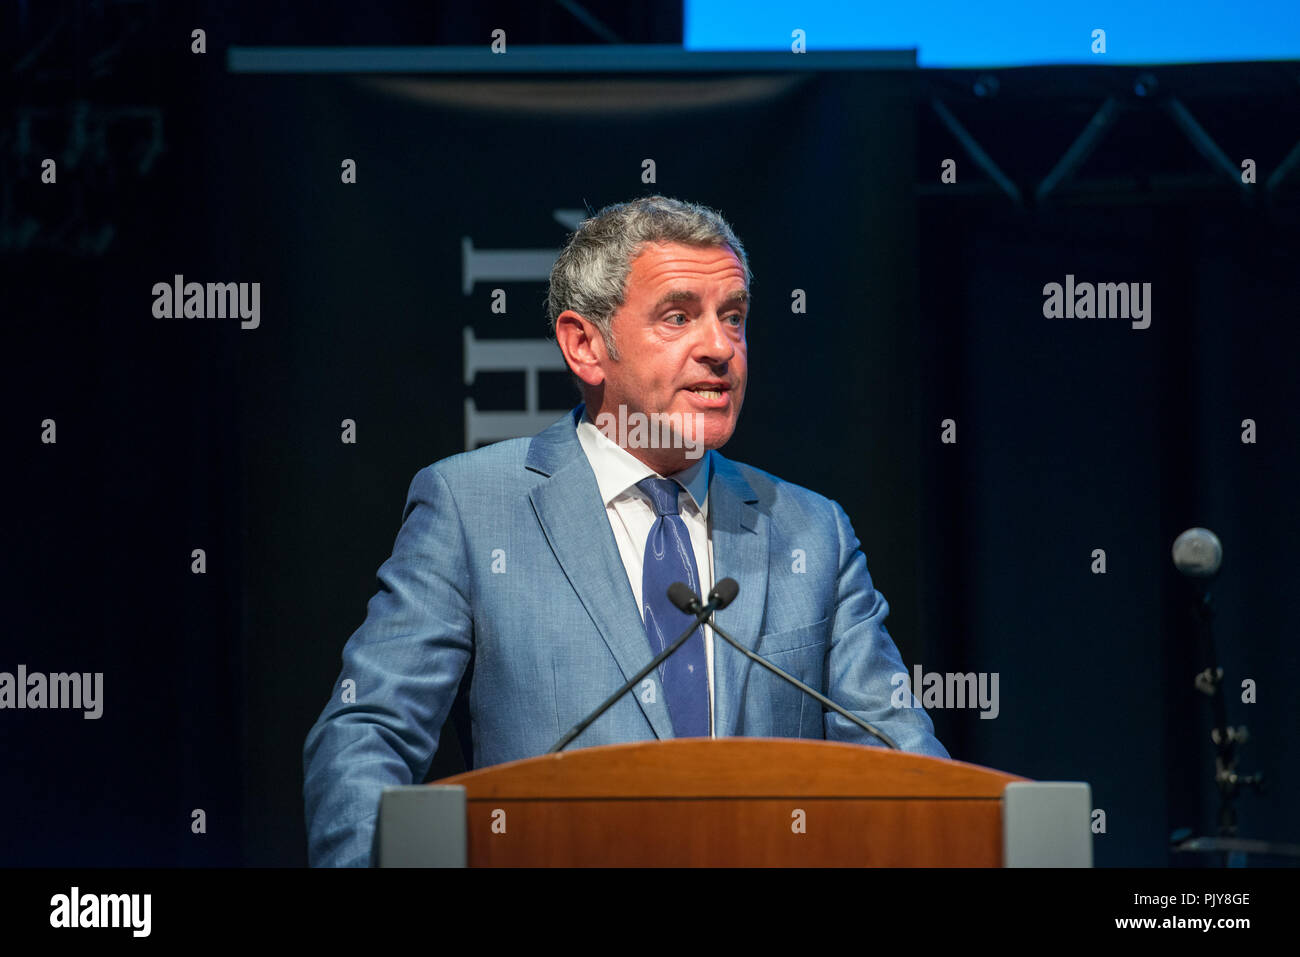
x,y
406,660
863,659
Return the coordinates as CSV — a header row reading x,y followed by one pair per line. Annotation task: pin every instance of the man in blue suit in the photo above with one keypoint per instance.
x,y
535,569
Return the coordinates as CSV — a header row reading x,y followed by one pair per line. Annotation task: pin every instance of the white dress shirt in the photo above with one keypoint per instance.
x,y
631,516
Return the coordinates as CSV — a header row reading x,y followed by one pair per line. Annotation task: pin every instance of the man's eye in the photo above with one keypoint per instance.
x,y
738,317
677,316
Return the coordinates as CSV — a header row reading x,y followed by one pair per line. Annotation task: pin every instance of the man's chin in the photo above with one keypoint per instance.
x,y
697,432
714,434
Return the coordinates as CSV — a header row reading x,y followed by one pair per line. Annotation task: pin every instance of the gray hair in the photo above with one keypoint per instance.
x,y
590,275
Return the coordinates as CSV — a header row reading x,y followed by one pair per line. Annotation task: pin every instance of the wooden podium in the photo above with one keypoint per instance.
x,y
735,802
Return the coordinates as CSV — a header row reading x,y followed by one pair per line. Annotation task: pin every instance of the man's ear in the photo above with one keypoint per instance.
x,y
583,347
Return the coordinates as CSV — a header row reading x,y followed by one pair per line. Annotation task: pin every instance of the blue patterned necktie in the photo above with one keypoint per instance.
x,y
670,558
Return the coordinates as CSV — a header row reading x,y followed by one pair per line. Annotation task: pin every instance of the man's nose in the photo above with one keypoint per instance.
x,y
715,345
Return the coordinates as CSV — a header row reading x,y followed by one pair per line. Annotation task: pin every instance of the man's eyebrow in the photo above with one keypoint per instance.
x,y
686,295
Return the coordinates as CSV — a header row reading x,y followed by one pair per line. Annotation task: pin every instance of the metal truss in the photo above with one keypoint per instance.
x,y
1063,172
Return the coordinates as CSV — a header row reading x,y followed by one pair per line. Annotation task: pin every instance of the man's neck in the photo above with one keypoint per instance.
x,y
665,461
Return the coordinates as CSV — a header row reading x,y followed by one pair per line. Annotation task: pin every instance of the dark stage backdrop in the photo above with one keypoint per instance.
x,y
1089,434
379,308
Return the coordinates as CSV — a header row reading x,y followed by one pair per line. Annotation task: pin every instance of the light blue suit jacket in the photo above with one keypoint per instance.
x,y
505,556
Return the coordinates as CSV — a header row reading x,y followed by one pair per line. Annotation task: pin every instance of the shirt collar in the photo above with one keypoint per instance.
x,y
618,470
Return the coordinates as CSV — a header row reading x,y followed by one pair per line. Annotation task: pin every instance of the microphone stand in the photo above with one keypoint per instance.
x,y
703,612
759,659
1226,738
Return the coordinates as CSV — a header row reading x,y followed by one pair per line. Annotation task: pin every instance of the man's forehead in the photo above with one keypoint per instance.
x,y
669,270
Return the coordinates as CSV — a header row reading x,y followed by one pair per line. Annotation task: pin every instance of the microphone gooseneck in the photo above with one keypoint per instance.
x,y
722,595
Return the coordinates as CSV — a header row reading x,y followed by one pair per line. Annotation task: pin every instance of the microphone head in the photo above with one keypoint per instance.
x,y
1197,553
724,593
685,599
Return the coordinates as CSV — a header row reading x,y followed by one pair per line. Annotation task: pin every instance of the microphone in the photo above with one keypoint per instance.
x,y
719,597
1198,553
1197,556
727,589
722,595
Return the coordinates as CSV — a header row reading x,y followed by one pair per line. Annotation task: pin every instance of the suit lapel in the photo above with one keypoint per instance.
x,y
568,506
740,546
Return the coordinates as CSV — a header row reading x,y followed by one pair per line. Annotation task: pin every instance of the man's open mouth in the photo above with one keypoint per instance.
x,y
709,390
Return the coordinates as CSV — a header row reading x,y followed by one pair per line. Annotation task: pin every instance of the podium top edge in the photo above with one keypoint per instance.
x,y
733,768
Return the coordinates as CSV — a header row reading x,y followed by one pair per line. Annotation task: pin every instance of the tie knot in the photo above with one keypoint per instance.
x,y
663,494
